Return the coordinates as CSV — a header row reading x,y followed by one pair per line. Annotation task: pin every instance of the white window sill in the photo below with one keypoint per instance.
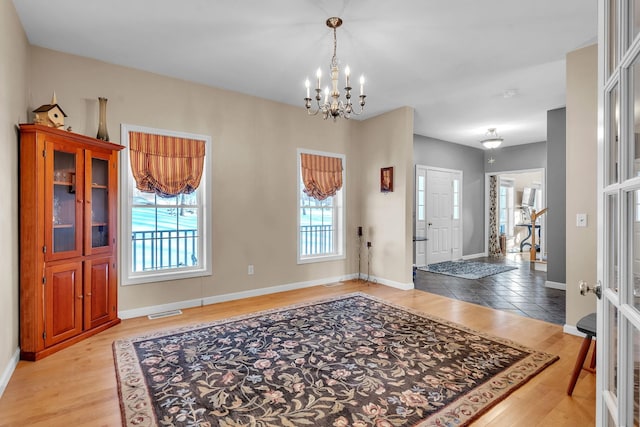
x,y
324,258
159,276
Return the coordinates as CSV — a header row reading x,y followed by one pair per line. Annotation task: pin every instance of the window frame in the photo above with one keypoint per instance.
x,y
339,206
204,190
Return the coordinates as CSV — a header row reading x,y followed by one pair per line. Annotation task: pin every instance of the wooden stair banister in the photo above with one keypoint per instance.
x,y
534,216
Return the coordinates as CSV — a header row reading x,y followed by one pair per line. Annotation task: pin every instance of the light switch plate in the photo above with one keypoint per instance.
x,y
581,220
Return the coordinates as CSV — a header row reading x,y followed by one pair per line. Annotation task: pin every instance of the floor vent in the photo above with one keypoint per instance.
x,y
331,285
165,314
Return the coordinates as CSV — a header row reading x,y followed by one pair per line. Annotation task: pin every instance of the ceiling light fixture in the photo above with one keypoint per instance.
x,y
492,140
333,106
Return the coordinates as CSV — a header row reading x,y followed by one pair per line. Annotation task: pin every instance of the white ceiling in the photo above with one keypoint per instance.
x,y
452,61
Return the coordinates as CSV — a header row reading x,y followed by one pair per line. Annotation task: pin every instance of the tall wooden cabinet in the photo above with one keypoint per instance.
x,y
68,213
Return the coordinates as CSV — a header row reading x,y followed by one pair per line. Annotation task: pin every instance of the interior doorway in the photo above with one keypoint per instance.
x,y
518,194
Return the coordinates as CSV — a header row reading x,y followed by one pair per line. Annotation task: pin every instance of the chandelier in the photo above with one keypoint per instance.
x,y
332,105
492,140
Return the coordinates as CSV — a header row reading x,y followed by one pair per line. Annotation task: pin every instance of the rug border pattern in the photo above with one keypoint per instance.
x,y
504,268
138,411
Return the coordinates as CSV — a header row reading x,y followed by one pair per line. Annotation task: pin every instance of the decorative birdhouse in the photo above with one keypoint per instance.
x,y
50,114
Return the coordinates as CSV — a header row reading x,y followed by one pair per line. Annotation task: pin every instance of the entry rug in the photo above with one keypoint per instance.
x,y
353,360
467,269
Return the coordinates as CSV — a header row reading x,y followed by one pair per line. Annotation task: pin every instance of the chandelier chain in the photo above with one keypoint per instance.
x,y
334,59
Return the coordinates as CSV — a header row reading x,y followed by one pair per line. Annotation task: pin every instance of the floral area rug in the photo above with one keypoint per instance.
x,y
467,269
347,361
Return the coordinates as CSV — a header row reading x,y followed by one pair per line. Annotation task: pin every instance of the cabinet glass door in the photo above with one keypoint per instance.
x,y
64,204
97,213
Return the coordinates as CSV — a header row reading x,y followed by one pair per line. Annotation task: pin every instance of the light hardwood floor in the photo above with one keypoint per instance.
x,y
77,386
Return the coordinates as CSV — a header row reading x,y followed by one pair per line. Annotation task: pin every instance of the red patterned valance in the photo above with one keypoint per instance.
x,y
321,175
166,165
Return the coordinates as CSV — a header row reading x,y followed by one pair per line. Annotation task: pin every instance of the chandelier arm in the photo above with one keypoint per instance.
x,y
311,111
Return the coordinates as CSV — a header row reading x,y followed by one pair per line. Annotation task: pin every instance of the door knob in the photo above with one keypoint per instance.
x,y
585,288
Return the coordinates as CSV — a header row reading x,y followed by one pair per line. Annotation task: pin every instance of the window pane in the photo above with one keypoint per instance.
x,y
167,201
421,191
612,242
188,199
613,137
612,37
635,19
634,144
634,244
316,229
612,348
164,237
140,198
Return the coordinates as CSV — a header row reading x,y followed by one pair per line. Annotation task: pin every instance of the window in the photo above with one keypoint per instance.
x,y
164,236
421,190
507,206
456,199
320,222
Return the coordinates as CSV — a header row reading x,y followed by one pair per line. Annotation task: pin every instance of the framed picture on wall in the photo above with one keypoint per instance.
x,y
386,179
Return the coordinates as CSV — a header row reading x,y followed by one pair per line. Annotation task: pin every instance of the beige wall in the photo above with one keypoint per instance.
x,y
582,107
14,51
385,141
255,174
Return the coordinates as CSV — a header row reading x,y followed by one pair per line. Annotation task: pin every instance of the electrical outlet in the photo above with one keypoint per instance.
x,y
581,220
250,270
368,244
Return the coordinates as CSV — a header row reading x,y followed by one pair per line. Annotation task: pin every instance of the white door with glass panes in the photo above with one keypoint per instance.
x,y
618,287
443,198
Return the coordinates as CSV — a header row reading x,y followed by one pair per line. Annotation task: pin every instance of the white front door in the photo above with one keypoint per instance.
x,y
618,309
443,213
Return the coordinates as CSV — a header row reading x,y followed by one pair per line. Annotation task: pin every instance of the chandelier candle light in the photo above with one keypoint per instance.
x,y
332,105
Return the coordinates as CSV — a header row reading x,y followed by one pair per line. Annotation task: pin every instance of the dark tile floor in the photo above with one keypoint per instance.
x,y
519,291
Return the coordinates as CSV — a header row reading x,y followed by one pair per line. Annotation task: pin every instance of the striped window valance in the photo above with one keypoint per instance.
x,y
321,175
166,165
